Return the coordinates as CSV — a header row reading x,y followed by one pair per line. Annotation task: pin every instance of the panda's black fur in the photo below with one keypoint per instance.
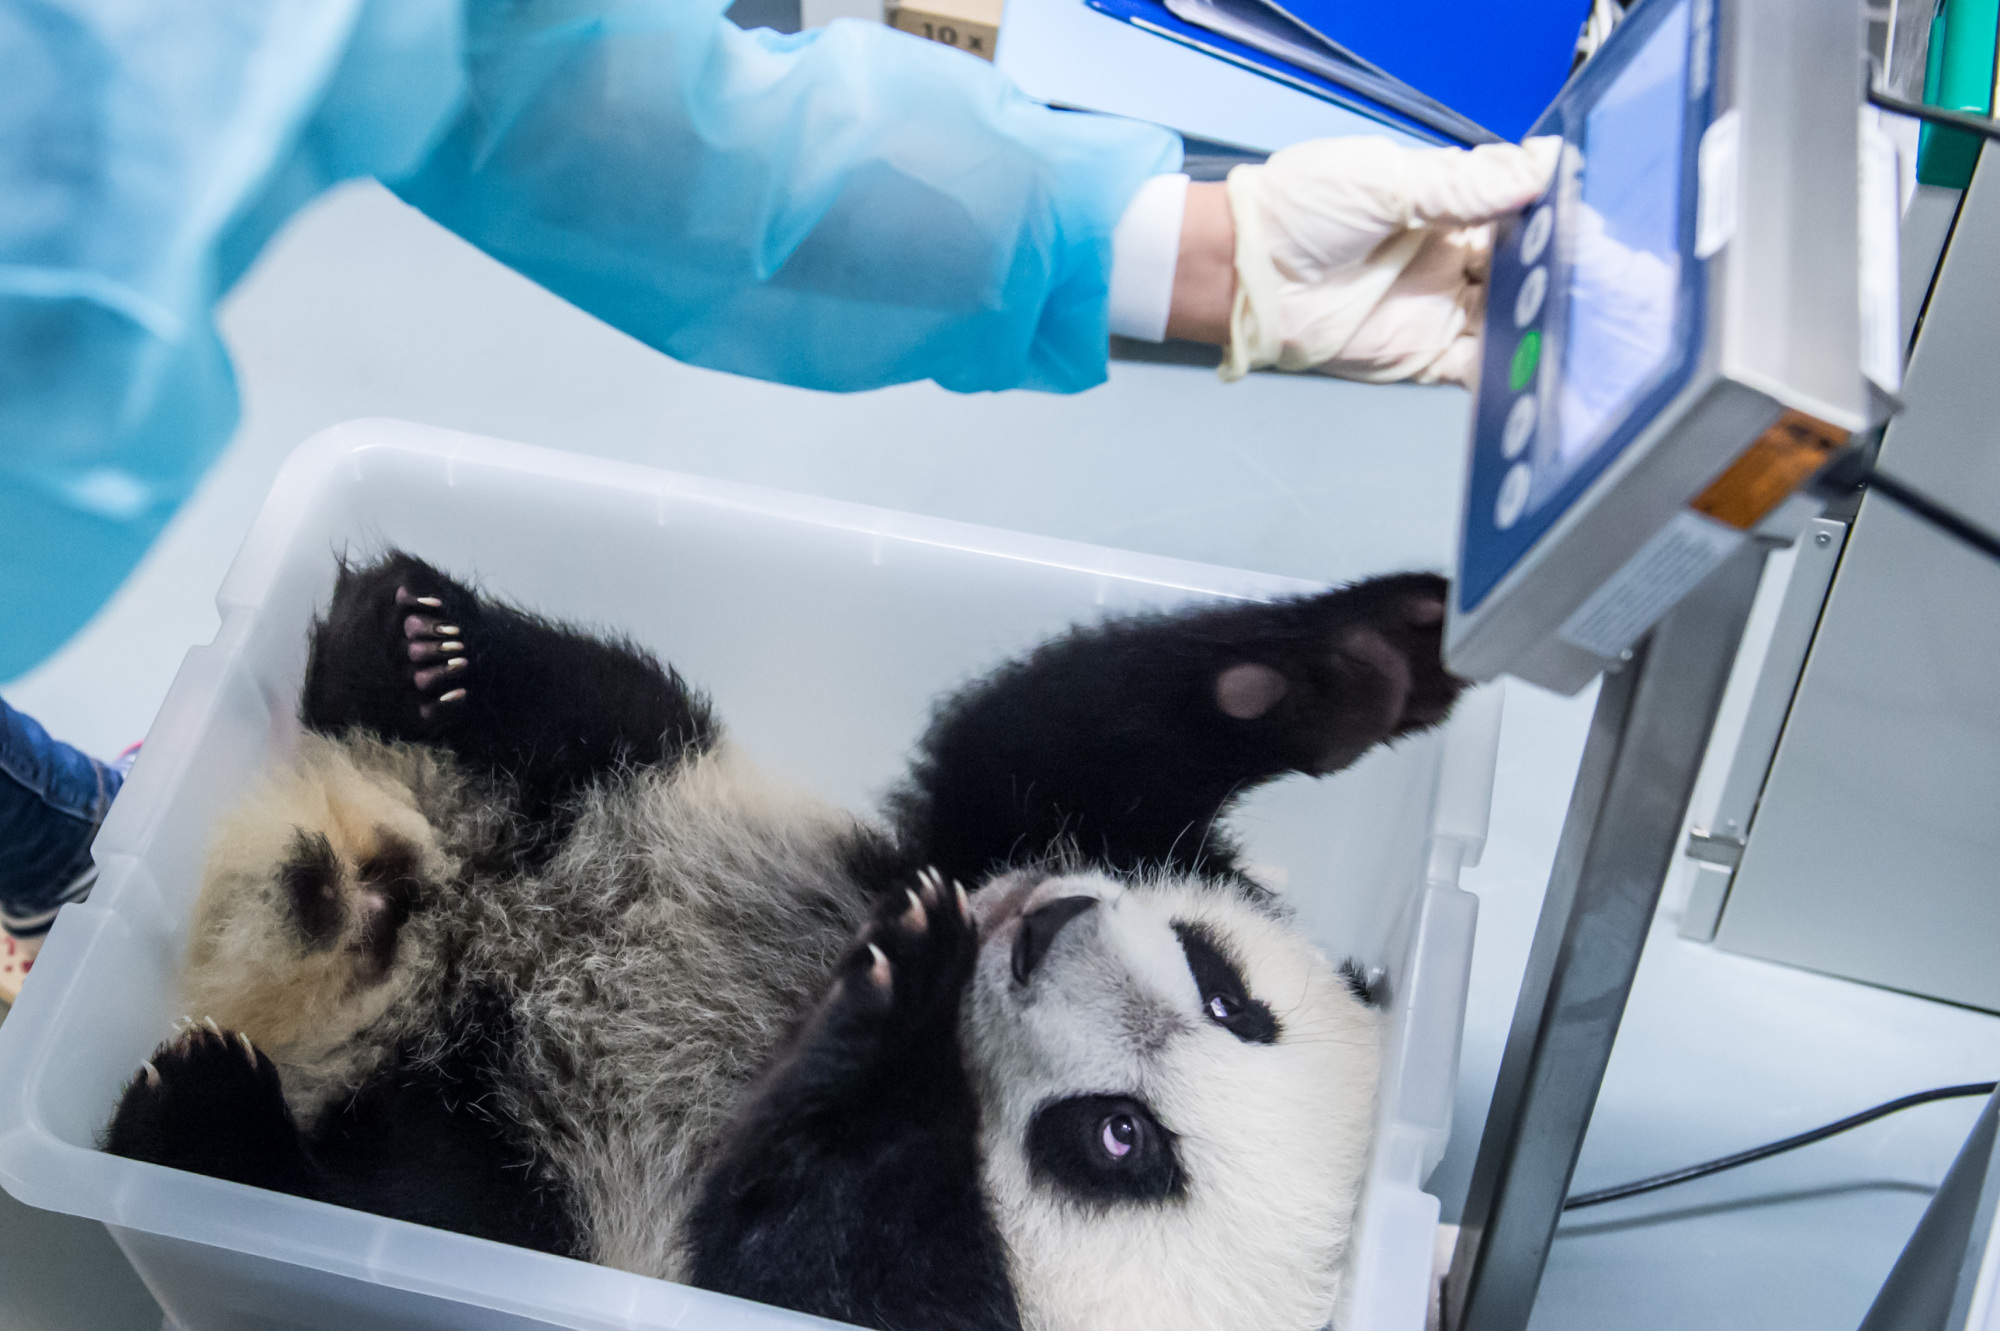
x,y
439,1000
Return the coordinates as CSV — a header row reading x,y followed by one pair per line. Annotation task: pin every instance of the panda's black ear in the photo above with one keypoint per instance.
x,y
1370,989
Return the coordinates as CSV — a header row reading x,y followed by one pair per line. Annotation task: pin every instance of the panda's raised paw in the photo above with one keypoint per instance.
x,y
916,955
1359,666
210,1102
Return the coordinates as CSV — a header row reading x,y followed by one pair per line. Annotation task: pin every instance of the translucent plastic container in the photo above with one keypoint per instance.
x,y
824,631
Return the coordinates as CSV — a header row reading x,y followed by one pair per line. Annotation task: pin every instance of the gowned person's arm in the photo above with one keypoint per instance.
x,y
840,209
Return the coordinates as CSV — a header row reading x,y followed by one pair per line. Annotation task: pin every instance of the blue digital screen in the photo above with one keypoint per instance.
x,y
1625,253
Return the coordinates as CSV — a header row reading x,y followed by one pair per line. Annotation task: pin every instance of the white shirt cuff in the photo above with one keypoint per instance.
x,y
1145,249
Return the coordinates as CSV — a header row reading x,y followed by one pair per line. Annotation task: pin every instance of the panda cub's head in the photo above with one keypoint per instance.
x,y
1176,1091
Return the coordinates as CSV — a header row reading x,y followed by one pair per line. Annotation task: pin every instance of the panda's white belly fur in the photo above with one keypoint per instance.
x,y
649,966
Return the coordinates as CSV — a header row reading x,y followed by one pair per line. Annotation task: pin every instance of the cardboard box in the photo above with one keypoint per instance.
x,y
973,26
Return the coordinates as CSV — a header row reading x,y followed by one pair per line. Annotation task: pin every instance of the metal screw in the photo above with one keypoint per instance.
x,y
1824,538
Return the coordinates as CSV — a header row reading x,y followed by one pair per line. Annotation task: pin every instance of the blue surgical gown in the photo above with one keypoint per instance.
x,y
841,209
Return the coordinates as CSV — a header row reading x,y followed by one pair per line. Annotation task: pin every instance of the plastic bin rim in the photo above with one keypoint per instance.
x,y
310,468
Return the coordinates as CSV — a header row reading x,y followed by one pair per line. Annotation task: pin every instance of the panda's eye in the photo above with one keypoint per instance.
x,y
1225,999
1104,1150
1118,1135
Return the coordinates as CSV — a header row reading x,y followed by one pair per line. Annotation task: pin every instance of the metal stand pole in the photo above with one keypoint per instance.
x,y
1645,747
1932,1285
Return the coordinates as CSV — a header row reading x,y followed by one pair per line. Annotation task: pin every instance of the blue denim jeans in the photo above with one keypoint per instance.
x,y
52,798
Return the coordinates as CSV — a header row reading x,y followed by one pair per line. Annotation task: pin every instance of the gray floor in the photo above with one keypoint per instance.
x,y
365,309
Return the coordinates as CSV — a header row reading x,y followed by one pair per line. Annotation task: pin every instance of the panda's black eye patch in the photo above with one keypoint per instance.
x,y
1104,1149
1225,999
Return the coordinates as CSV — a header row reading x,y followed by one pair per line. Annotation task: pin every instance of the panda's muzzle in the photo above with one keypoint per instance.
x,y
1038,931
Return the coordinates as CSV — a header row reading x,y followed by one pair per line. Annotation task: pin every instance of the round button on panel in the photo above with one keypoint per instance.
x,y
1528,300
1535,235
1520,428
1527,355
1513,496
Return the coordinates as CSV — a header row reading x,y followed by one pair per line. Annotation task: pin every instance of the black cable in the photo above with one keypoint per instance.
x,y
1770,1149
1921,505
1937,115
1855,468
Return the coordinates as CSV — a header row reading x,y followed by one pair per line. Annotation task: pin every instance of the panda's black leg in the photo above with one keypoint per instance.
x,y
848,1186
210,1102
1124,743
409,653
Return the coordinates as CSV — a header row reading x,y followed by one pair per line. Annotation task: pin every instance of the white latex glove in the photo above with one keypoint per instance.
x,y
1360,258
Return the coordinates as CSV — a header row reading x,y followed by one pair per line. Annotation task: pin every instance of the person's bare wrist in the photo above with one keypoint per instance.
x,y
1205,273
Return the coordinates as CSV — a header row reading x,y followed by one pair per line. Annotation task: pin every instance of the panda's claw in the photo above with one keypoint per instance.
x,y
878,972
431,675
915,919
436,652
152,1074
964,904
427,710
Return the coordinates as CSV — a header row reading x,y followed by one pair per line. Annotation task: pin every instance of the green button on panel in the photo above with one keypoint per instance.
x,y
1526,356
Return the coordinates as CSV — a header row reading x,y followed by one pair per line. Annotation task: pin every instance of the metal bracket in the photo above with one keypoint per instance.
x,y
1714,848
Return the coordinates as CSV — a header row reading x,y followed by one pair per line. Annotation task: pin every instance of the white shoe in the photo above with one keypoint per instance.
x,y
17,958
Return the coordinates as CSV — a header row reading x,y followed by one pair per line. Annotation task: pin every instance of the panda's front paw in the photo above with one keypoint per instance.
x,y
1396,641
210,1102
1369,666
914,960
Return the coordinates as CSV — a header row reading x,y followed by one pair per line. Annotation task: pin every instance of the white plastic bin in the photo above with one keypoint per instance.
x,y
824,631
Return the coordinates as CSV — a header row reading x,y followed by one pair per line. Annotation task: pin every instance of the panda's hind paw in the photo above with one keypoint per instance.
x,y
396,652
210,1102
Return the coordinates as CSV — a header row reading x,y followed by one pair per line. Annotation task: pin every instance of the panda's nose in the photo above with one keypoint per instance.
x,y
1039,928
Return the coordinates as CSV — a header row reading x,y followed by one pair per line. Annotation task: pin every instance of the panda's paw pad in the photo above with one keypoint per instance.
x,y
918,952
1399,638
436,647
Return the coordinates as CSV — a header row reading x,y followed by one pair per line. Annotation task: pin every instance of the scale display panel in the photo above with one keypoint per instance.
x,y
1603,293
1679,312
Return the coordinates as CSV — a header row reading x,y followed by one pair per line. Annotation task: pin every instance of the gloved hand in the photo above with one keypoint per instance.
x,y
1360,258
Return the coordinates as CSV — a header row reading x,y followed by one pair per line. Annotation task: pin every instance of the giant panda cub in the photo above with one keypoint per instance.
x,y
519,945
